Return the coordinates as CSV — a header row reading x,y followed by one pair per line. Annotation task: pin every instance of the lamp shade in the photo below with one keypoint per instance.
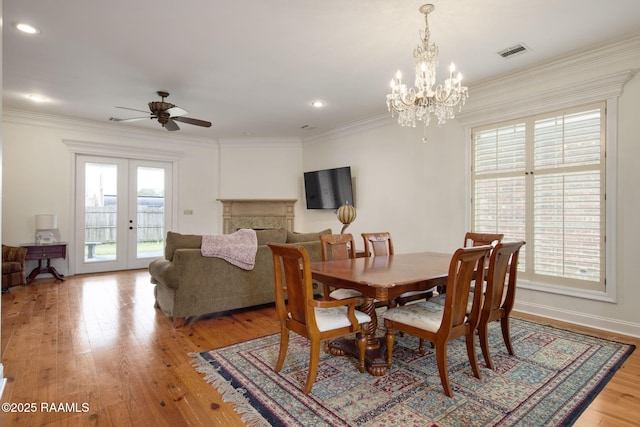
x,y
46,222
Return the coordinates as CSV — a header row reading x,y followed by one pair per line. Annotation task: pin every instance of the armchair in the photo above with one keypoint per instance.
x,y
13,259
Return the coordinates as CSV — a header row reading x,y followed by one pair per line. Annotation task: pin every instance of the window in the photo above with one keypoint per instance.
x,y
542,179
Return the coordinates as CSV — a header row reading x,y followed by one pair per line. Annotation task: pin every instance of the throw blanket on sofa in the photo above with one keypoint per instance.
x,y
237,248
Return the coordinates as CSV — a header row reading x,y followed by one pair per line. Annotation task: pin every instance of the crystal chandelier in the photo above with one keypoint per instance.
x,y
424,100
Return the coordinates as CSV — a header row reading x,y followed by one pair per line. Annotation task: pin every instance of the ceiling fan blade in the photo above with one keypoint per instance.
x,y
171,125
132,119
193,121
177,111
133,109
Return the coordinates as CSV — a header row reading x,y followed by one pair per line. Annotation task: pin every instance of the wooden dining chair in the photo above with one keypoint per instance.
x,y
381,244
497,305
440,324
377,244
481,239
338,246
317,320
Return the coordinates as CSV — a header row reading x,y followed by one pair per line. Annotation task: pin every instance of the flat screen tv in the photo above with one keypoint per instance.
x,y
328,188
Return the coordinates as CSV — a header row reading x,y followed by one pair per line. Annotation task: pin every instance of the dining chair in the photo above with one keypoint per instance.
x,y
440,324
497,305
481,239
333,247
377,244
317,320
381,244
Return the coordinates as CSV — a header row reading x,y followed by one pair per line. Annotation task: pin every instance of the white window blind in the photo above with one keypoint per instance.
x,y
541,179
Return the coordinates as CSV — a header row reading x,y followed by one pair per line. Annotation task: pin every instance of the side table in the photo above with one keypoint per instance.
x,y
45,251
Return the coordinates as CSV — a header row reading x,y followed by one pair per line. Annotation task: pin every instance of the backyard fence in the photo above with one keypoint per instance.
x,y
101,224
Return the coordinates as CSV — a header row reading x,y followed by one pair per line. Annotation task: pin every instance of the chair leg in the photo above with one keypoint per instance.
x,y
421,347
441,357
471,351
284,345
506,334
483,335
389,339
326,291
314,357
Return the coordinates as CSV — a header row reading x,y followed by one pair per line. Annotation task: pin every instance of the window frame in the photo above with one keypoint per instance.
x,y
609,294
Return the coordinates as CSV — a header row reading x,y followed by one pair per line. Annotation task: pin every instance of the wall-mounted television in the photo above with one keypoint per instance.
x,y
328,188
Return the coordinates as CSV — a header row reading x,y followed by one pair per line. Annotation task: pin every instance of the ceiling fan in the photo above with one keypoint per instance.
x,y
166,113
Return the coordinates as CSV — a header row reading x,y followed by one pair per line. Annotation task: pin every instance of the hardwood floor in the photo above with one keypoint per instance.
x,y
96,342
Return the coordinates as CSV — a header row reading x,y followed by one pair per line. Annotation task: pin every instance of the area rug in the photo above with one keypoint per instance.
x,y
551,380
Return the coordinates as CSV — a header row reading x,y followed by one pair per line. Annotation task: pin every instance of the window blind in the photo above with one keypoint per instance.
x,y
541,179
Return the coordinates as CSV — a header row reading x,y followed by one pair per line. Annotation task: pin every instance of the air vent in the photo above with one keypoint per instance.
x,y
514,50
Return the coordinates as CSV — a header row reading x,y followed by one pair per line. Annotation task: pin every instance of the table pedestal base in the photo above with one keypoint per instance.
x,y
48,269
374,357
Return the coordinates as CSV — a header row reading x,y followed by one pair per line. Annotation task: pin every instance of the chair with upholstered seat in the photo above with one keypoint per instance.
x,y
380,244
377,244
317,320
13,266
440,324
334,247
497,305
481,239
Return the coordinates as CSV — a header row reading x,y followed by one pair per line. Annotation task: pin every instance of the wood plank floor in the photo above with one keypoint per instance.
x,y
96,342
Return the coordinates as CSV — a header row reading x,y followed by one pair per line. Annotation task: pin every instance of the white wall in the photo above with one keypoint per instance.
x,y
262,169
38,169
399,183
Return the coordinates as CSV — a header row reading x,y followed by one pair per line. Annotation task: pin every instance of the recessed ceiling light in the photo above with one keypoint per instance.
x,y
26,28
317,104
37,98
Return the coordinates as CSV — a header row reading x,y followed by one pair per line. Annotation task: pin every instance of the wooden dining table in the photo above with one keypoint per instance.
x,y
381,278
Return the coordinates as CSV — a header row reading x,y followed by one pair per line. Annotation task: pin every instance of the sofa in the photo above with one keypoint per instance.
x,y
188,284
13,264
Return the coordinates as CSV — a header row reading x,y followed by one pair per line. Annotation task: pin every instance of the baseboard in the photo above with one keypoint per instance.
x,y
578,318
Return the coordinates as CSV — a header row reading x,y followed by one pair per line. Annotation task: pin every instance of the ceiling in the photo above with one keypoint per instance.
x,y
253,68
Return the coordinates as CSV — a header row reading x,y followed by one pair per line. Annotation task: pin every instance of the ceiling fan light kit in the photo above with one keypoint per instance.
x,y
166,113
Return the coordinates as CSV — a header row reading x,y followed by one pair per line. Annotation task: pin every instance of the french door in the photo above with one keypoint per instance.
x,y
123,209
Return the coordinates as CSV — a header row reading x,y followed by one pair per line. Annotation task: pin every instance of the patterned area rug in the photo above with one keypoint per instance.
x,y
551,380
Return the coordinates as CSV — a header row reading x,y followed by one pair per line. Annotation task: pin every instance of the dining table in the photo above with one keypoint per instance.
x,y
380,278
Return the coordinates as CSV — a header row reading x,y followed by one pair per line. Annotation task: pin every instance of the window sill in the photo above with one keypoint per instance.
x,y
606,296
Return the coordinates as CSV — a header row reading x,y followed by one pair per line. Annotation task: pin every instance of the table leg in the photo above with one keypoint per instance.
x,y
375,354
48,269
51,269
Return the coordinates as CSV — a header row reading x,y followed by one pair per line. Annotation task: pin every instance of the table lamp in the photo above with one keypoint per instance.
x,y
346,215
47,229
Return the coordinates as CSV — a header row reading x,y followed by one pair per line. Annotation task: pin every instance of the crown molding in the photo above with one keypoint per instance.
x,y
553,98
110,129
589,76
258,142
120,150
367,123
